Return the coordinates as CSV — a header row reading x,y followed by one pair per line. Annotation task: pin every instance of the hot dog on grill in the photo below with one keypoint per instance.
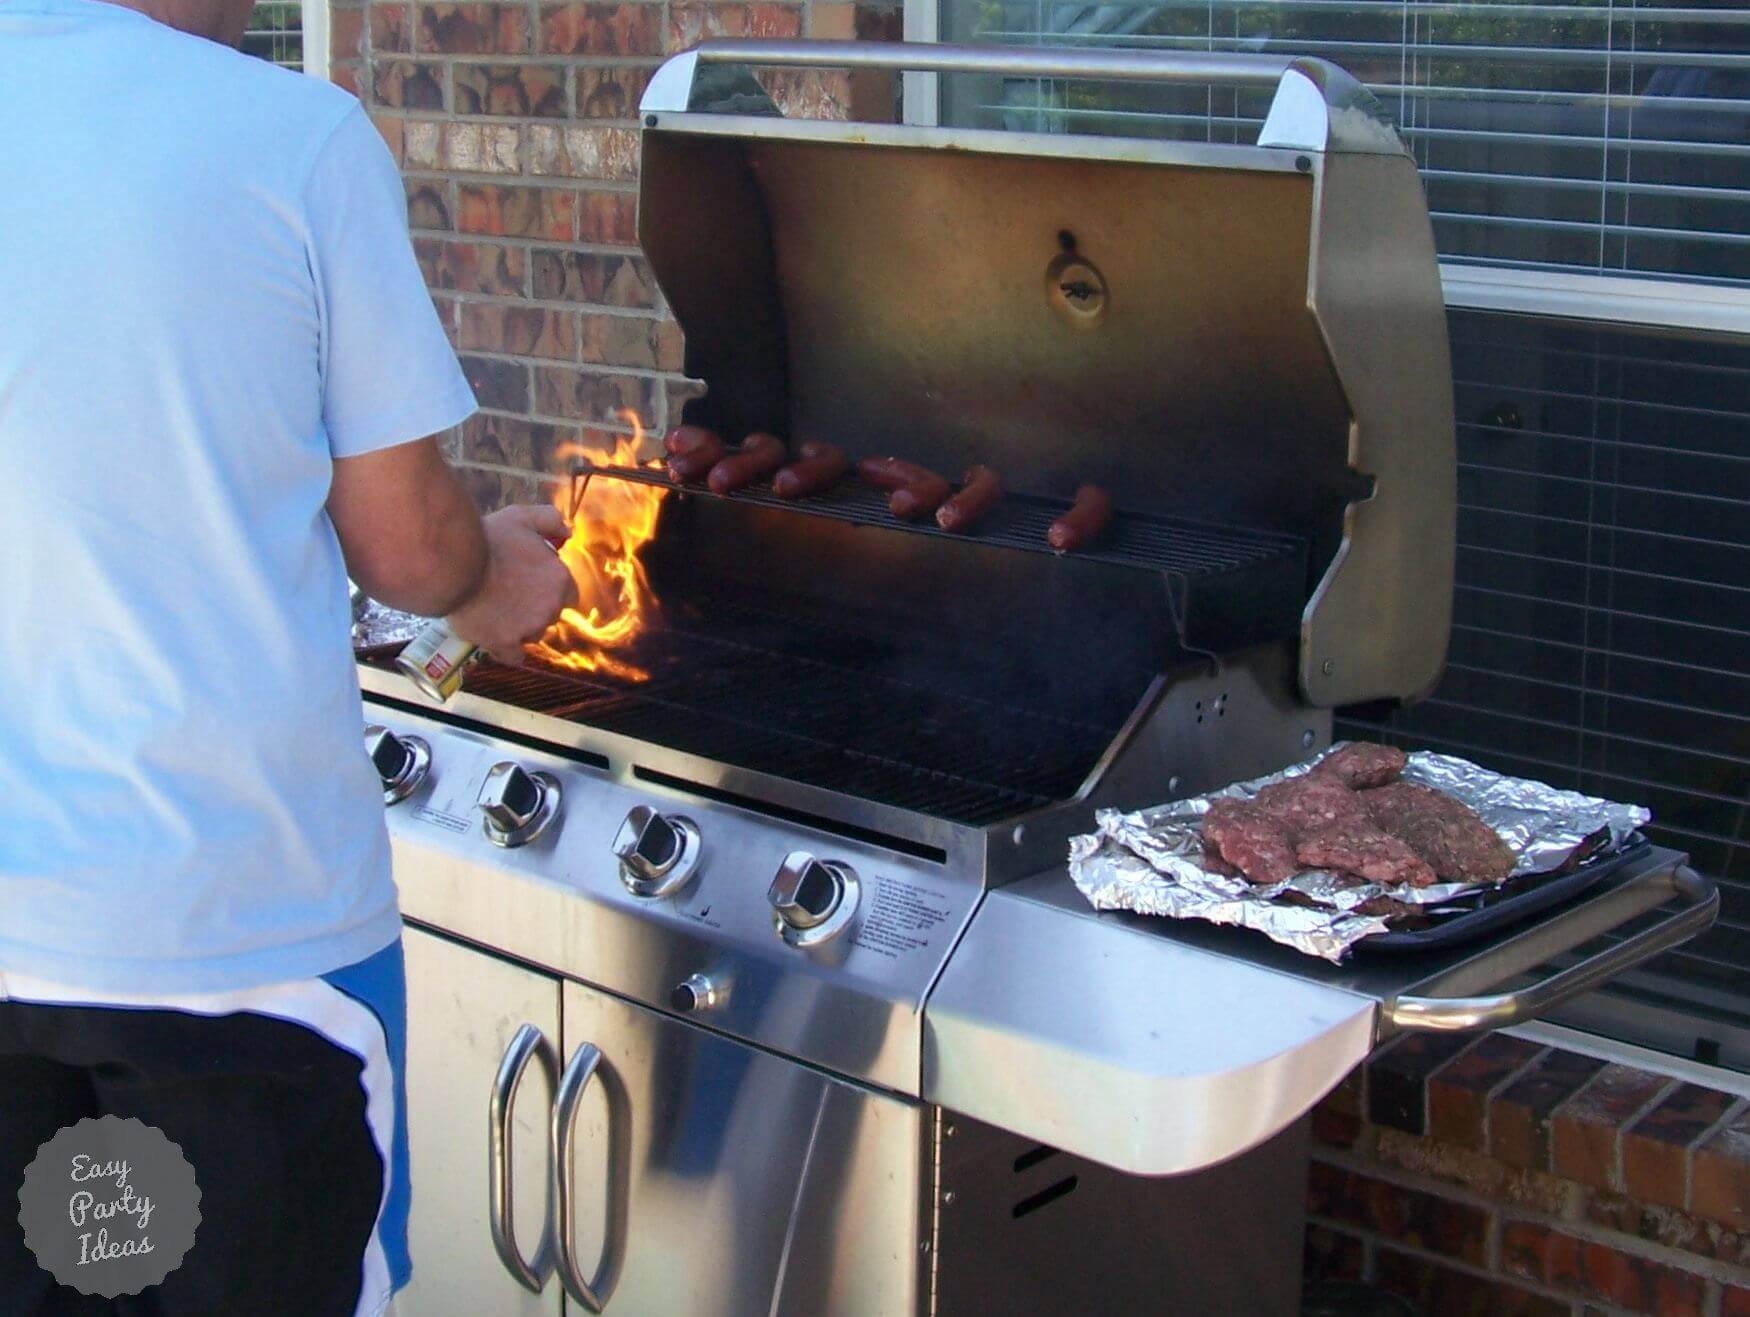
x,y
697,453
820,469
687,438
1090,514
981,491
893,472
917,501
760,455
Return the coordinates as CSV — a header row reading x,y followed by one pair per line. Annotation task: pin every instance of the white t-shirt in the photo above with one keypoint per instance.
x,y
206,294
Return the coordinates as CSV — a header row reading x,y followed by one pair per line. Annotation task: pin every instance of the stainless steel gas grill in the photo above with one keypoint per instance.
x,y
784,926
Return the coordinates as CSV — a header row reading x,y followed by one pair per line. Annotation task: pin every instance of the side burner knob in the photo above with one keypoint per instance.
x,y
401,761
516,805
812,900
658,853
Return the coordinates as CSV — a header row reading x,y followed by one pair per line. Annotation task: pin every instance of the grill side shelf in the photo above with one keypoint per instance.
x,y
1145,543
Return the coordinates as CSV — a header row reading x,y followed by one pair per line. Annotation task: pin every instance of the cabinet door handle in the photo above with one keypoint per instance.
x,y
592,1294
529,1043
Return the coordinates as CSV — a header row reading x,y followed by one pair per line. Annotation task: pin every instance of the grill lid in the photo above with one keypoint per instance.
x,y
1237,334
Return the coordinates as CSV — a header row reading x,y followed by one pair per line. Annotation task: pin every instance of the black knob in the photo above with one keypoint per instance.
x,y
684,997
693,993
391,756
818,891
520,793
658,843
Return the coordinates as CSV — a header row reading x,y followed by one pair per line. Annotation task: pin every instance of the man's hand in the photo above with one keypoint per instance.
x,y
525,586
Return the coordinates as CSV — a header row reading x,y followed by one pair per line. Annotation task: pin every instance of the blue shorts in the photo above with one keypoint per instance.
x,y
289,1102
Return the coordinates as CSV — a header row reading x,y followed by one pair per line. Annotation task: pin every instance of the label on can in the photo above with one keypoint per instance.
x,y
437,666
434,660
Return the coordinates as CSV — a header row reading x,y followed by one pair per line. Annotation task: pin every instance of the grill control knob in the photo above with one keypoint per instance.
x,y
695,993
658,852
812,900
516,805
401,761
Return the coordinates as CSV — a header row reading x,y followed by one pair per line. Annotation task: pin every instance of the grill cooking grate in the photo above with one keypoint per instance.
x,y
1161,544
794,714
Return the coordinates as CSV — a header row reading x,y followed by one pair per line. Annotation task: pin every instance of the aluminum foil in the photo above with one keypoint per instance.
x,y
1150,861
373,624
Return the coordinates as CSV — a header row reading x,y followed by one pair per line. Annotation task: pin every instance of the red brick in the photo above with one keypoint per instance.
x,y
514,442
346,34
1519,1115
809,93
595,396
609,218
1655,1149
1735,1301
634,29
1589,1269
472,267
521,212
1584,1128
1720,1176
1331,1255
1336,1120
1668,1227
611,92
523,331
604,278
499,385
1408,1216
391,30
579,151
1446,1292
689,24
1458,1093
348,77
472,29
636,341
492,490
404,85
518,90
427,204
389,128
481,148
1397,1078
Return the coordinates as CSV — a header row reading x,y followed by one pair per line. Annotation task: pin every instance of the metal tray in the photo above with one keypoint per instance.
x,y
1518,898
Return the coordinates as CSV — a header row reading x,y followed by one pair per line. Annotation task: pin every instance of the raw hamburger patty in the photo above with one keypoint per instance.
x,y
1309,803
1446,833
1257,845
1363,764
1359,846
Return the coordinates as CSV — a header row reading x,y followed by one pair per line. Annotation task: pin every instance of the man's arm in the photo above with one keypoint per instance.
x,y
413,540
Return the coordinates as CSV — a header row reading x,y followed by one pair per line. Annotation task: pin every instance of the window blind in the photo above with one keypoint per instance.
x,y
1605,136
276,33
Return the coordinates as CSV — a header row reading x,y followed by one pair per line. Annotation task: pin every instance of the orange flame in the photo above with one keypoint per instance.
x,y
612,523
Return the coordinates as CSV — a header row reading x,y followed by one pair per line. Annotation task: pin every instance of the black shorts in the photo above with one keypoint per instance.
x,y
293,1144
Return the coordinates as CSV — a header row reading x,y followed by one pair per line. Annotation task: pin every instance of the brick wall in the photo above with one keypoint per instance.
x,y
1490,1177
1495,1176
515,125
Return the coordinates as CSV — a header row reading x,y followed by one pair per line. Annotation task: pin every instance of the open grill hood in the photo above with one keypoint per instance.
x,y
1247,336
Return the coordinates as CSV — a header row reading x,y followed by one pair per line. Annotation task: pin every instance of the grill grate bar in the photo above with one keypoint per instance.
x,y
1160,544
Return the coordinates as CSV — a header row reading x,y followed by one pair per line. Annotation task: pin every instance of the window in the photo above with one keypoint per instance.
x,y
276,33
1582,159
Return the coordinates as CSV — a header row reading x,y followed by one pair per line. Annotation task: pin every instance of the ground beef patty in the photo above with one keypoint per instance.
x,y
1310,803
1360,846
1447,833
1255,844
1363,764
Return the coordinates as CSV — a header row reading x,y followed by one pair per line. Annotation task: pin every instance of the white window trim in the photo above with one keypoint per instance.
x,y
313,15
1647,302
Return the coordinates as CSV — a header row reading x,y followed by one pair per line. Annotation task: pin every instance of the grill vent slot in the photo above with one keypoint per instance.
x,y
1046,1196
1032,1157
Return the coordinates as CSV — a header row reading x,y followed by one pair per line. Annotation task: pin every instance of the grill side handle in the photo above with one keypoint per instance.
x,y
1538,945
1317,106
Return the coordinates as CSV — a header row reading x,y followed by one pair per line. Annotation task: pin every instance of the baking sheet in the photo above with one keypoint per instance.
x,y
1150,861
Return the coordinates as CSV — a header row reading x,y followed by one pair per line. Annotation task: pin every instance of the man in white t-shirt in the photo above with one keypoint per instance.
x,y
219,372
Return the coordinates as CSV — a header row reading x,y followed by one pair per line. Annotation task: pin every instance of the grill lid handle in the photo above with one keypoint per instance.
x,y
1303,116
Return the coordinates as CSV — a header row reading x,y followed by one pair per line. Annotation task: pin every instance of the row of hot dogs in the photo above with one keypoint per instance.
x,y
697,455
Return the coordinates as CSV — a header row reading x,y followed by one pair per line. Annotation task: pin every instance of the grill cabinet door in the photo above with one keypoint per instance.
x,y
715,1179
463,1009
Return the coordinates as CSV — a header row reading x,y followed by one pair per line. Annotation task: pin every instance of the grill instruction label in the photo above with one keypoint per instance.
x,y
902,917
